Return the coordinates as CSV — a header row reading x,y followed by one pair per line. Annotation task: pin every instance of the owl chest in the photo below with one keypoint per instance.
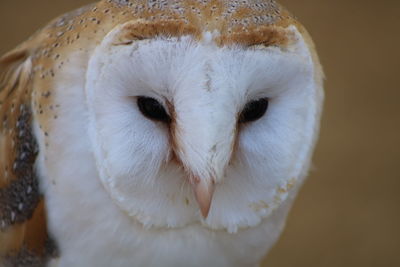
x,y
179,249
90,230
117,243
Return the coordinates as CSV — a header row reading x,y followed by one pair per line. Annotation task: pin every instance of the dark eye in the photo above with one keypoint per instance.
x,y
152,109
254,110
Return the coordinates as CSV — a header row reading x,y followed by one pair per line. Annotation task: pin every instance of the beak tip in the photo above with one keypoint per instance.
x,y
205,211
204,191
204,214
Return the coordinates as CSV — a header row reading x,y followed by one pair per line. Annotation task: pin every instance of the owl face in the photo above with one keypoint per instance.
x,y
185,130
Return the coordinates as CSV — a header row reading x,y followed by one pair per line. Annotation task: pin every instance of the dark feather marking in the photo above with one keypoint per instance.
x,y
24,258
27,258
19,199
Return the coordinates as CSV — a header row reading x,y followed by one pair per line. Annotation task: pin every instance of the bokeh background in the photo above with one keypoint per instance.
x,y
348,213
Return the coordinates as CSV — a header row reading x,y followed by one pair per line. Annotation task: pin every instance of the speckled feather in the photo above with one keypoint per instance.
x,y
29,73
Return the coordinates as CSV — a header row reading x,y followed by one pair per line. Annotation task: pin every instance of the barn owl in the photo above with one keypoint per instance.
x,y
155,133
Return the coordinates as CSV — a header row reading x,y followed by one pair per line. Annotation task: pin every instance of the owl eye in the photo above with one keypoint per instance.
x,y
152,109
254,110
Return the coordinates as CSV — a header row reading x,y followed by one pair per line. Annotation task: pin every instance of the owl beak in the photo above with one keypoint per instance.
x,y
204,190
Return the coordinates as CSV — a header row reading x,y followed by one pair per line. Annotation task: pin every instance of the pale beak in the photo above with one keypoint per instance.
x,y
204,190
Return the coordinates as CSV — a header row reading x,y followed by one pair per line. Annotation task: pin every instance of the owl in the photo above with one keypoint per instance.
x,y
155,133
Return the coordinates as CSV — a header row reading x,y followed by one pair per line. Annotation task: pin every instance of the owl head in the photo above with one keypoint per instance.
x,y
202,113
195,119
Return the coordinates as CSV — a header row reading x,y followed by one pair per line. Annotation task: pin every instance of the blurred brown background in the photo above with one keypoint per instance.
x,y
348,213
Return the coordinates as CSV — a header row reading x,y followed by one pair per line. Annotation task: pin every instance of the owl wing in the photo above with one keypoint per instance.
x,y
23,233
24,239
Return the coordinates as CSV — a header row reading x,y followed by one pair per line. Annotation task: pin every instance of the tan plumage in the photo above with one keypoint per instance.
x,y
29,75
